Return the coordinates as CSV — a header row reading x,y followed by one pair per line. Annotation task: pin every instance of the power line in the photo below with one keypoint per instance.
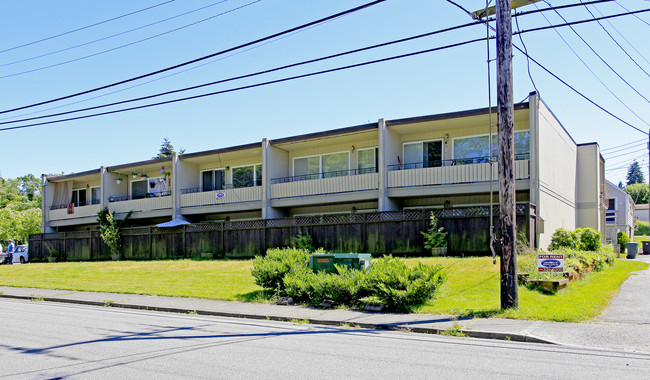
x,y
268,71
560,79
85,27
622,36
287,79
624,149
616,42
639,18
626,154
319,21
252,85
599,57
618,146
121,46
593,73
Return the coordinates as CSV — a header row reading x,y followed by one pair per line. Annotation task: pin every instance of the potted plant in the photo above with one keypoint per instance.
x,y
134,175
118,180
144,175
435,239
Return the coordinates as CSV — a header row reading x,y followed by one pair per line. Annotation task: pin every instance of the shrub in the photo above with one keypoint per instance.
x,y
304,242
590,239
347,287
270,270
435,237
401,288
564,238
621,239
641,228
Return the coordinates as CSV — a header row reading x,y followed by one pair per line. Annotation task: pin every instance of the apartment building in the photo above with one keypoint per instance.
x,y
435,161
619,216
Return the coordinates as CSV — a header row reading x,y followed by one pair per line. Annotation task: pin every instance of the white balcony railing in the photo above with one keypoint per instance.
x,y
209,198
343,184
141,205
77,212
456,174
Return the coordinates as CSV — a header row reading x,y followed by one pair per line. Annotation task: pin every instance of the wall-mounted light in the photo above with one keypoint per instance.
x,y
446,137
353,148
227,167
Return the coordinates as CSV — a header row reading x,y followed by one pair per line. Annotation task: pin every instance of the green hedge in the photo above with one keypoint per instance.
x,y
389,281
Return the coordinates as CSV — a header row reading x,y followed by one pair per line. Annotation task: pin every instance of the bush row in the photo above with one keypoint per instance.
x,y
389,281
575,261
584,239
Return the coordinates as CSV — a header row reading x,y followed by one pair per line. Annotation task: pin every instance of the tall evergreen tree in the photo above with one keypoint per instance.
x,y
634,174
167,149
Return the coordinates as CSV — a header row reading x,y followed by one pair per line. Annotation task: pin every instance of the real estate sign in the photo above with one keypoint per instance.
x,y
550,262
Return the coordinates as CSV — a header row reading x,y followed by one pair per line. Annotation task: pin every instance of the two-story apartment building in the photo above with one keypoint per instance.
x,y
435,161
619,216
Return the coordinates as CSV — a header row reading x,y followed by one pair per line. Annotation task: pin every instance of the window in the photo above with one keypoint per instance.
x,y
78,197
213,180
96,195
150,187
322,166
612,204
475,149
247,176
423,154
367,160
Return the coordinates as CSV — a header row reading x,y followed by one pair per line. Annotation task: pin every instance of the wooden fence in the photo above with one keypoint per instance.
x,y
397,233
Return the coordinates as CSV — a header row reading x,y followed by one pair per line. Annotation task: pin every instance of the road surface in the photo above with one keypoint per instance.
x,y
43,340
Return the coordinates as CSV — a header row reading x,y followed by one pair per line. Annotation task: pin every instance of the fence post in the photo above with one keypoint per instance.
x,y
223,249
150,245
184,241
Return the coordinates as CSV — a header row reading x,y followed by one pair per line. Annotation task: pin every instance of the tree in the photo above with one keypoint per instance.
x,y
634,173
167,149
620,185
639,192
20,208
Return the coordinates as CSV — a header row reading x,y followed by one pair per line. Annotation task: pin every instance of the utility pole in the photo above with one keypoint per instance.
x,y
506,157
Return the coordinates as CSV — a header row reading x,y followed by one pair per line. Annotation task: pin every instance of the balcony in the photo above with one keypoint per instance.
x,y
63,212
141,204
451,172
207,197
342,181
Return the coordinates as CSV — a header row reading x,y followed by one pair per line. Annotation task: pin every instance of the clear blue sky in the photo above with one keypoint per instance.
x,y
445,81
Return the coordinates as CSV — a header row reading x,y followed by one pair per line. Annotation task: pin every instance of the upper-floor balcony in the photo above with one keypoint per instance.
x,y
451,172
220,195
141,203
340,181
74,210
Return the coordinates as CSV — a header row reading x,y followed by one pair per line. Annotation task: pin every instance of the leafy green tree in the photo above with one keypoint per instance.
x,y
20,208
167,149
639,192
634,174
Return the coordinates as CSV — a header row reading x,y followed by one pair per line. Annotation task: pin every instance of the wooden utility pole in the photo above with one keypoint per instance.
x,y
505,126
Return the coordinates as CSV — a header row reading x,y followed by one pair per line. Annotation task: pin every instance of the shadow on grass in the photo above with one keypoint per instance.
x,y
255,296
484,313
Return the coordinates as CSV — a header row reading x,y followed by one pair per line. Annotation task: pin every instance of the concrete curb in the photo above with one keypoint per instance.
x,y
372,326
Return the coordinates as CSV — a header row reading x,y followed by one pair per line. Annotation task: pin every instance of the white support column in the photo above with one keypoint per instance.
x,y
176,196
389,150
47,194
275,164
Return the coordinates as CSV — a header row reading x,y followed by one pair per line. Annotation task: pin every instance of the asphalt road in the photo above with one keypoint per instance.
x,y
42,340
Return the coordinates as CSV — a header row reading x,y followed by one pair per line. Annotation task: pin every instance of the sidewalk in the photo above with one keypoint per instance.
x,y
625,326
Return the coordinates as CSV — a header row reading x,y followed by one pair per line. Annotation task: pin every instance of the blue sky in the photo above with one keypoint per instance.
x,y
450,80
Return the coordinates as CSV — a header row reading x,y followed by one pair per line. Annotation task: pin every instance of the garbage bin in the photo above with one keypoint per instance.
x,y
646,247
322,263
632,249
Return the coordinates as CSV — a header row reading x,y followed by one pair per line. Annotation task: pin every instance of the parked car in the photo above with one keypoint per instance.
x,y
21,254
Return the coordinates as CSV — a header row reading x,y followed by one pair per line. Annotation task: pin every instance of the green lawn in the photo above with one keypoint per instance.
x,y
471,289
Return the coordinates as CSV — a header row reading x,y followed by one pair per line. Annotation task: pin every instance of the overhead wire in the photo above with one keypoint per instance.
x,y
267,71
600,57
623,149
623,36
122,46
304,76
616,42
593,73
169,68
523,13
86,27
618,146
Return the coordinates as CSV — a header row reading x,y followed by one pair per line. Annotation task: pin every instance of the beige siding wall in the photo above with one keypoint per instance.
x,y
556,174
589,189
79,212
208,198
325,186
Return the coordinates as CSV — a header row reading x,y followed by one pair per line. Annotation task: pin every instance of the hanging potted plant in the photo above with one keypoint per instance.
x,y
435,239
144,175
118,180
134,175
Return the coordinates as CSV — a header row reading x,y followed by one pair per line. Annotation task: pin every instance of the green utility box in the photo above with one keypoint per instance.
x,y
325,262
